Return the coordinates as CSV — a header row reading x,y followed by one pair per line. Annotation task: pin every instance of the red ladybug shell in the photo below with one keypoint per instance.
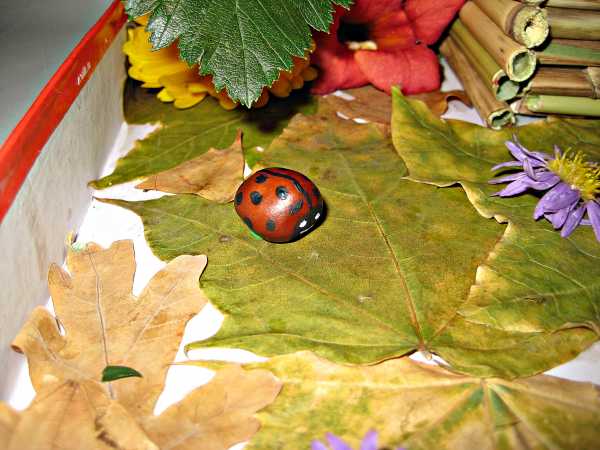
x,y
279,204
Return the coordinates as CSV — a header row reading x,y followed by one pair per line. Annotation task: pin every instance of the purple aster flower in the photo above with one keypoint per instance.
x,y
573,186
369,442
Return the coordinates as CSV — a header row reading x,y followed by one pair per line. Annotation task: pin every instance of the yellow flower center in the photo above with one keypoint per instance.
x,y
578,173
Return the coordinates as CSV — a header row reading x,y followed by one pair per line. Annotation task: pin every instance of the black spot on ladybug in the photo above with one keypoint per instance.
x,y
271,225
248,222
261,178
282,192
238,198
296,207
255,197
316,192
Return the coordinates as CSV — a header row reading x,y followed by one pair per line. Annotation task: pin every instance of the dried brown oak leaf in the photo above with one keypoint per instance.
x,y
214,175
104,324
375,106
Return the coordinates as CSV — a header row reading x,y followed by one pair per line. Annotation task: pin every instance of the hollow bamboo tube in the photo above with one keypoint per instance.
x,y
570,52
525,24
516,60
496,114
574,23
593,74
573,82
488,69
555,104
575,4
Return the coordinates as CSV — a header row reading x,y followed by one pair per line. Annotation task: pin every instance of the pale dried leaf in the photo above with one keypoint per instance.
x,y
9,418
375,106
106,325
214,175
61,417
437,101
218,415
122,430
368,103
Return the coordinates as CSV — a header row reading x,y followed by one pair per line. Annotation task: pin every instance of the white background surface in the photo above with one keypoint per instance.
x,y
107,223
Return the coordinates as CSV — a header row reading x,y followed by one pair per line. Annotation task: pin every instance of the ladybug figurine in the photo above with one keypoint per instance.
x,y
279,204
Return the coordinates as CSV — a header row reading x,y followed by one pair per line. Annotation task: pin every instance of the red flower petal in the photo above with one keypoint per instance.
x,y
430,17
414,69
338,66
392,31
366,11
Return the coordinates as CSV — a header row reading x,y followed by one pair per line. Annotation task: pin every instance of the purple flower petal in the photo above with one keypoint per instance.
x,y
521,184
528,168
585,222
543,185
559,197
572,221
507,178
507,164
593,210
336,443
516,187
318,445
521,153
369,442
516,149
559,217
546,175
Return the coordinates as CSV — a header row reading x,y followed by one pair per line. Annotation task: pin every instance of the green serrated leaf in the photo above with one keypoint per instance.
x,y
533,280
244,44
186,134
112,373
421,407
385,274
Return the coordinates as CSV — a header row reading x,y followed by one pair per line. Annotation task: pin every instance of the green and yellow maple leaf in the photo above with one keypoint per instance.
x,y
387,273
423,407
533,281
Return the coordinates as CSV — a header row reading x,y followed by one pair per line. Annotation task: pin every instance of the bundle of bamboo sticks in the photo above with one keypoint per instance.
x,y
527,57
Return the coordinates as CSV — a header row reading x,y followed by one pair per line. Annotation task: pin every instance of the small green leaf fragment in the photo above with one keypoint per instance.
x,y
112,373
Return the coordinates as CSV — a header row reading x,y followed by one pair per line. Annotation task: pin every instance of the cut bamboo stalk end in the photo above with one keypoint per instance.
x,y
593,5
593,74
494,77
515,59
570,52
496,114
574,23
572,82
525,24
555,104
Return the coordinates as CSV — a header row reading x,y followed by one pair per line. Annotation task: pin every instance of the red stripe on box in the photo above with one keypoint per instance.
x,y
25,143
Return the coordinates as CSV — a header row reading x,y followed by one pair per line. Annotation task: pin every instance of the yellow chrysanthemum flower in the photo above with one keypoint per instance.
x,y
184,86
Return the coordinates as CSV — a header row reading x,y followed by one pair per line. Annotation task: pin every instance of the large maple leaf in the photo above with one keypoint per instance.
x,y
387,272
423,407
